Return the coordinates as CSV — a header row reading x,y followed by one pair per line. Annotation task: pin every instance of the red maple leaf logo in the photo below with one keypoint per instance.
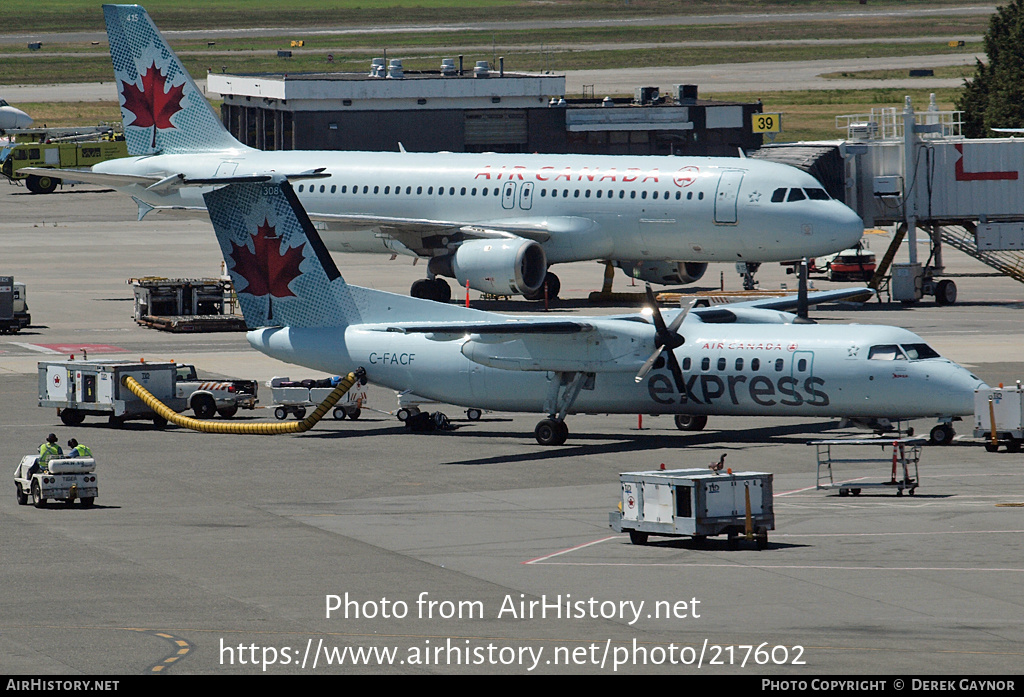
x,y
154,104
267,271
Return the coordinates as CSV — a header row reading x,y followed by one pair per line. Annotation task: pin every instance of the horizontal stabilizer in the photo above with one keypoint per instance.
x,y
90,177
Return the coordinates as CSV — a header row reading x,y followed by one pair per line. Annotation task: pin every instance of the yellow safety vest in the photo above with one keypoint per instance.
x,y
47,451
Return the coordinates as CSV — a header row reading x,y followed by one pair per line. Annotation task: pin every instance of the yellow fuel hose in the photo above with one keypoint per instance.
x,y
265,429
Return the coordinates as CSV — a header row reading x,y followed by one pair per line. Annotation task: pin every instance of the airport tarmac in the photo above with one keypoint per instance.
x,y
213,554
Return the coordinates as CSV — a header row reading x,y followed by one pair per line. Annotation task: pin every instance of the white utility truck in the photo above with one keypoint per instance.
x,y
695,502
80,388
1000,410
209,397
64,479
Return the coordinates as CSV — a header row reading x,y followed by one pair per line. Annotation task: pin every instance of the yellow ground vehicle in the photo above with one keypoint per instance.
x,y
51,148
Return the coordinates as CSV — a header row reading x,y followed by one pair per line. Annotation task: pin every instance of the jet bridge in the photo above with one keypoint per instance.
x,y
915,170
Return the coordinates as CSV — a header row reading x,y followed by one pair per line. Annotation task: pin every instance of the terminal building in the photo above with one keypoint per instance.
x,y
473,110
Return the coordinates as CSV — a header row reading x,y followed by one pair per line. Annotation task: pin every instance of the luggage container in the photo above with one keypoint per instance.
x,y
696,503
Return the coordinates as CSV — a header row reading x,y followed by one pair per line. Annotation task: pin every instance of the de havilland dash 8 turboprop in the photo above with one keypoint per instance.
x,y
494,221
748,360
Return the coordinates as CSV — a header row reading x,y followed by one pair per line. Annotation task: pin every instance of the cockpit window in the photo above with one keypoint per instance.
x,y
886,352
817,194
796,195
779,195
918,351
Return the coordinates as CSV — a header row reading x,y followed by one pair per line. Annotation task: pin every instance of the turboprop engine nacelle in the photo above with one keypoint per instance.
x,y
501,266
670,273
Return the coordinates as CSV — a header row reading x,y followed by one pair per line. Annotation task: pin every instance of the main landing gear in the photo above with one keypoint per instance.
x,y
436,289
553,286
565,388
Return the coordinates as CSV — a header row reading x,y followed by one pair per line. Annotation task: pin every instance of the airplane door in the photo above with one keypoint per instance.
x,y
803,365
725,197
526,196
508,195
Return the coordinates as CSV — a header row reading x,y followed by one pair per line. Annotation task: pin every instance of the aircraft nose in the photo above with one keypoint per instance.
x,y
22,120
849,228
959,387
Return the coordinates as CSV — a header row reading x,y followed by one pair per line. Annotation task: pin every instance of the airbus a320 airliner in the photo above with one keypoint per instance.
x,y
494,221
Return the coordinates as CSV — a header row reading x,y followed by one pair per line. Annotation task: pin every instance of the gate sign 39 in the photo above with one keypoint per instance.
x,y
767,123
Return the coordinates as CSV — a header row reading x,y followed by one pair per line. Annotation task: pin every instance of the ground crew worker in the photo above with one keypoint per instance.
x,y
78,450
47,451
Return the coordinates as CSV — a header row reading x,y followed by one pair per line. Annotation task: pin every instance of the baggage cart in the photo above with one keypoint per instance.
x,y
294,397
903,463
999,417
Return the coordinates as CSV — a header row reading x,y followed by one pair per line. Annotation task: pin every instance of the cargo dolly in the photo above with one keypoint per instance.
x,y
906,454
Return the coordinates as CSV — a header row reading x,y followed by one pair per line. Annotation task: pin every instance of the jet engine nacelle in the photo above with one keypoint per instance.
x,y
664,272
500,266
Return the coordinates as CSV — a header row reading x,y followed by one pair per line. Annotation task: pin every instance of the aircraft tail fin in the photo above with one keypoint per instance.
x,y
283,274
162,109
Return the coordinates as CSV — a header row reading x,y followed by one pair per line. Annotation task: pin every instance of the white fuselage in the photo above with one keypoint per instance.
x,y
579,207
752,370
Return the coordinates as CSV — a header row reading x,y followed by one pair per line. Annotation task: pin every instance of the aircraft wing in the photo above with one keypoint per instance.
x,y
416,233
540,345
774,310
493,330
90,177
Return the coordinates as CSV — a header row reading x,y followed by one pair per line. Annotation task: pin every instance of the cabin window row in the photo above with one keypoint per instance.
x,y
755,364
496,191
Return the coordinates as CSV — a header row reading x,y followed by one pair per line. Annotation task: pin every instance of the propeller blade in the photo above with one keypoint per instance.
x,y
659,321
677,372
648,364
678,321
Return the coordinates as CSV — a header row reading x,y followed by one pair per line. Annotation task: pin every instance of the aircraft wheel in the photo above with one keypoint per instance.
x,y
554,286
941,435
422,289
551,432
473,414
403,414
691,422
945,292
637,537
442,291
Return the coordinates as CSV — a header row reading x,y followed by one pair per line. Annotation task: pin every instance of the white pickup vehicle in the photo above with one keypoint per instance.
x,y
209,397
65,479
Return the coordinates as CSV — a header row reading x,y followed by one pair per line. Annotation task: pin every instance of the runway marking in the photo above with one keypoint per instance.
x,y
893,534
35,347
812,488
571,549
183,648
791,567
77,348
